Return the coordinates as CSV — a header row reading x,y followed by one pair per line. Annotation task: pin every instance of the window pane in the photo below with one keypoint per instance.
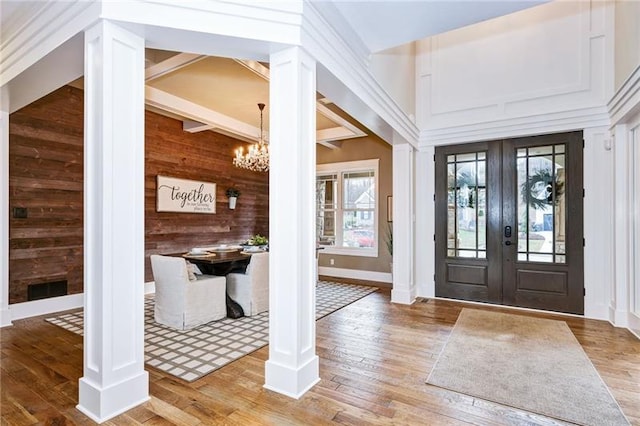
x,y
326,191
541,203
326,224
359,190
347,207
466,204
559,206
358,229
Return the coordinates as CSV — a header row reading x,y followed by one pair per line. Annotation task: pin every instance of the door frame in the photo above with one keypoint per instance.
x,y
496,212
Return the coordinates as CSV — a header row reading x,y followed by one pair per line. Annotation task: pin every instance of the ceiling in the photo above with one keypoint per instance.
x,y
221,94
385,24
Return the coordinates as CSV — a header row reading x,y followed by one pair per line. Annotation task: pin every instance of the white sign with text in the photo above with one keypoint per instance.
x,y
185,196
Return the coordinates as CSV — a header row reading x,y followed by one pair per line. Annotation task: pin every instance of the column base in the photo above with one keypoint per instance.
x,y
292,382
403,296
101,404
618,317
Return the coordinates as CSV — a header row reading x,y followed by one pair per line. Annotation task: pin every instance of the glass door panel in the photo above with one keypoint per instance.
x,y
466,205
541,208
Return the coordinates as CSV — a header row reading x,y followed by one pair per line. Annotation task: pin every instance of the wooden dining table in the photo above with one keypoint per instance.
x,y
219,262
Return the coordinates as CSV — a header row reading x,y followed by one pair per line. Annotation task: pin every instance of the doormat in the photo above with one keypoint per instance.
x,y
529,363
191,354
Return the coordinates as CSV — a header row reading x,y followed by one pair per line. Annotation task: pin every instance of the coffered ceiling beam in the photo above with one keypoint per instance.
x,y
170,65
194,112
350,131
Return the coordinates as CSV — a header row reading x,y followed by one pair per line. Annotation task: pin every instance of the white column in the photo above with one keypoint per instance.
x,y
5,317
599,221
404,290
619,307
114,378
425,222
292,368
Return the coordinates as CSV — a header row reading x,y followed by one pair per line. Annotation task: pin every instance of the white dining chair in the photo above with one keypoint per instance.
x,y
185,303
251,289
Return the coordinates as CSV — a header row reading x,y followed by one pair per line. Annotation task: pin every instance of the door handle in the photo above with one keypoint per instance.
x,y
507,232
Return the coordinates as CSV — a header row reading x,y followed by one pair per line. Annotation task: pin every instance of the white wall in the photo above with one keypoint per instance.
x,y
395,71
627,36
543,70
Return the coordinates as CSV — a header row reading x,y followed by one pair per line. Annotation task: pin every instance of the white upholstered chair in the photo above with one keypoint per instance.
x,y
183,303
251,289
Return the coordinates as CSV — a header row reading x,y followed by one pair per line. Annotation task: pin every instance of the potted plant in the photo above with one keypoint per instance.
x,y
256,243
232,194
389,242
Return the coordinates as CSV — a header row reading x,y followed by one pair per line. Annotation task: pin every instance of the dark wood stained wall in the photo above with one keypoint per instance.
x,y
46,177
205,156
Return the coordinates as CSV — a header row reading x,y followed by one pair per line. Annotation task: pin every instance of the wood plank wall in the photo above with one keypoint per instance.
x,y
205,156
46,177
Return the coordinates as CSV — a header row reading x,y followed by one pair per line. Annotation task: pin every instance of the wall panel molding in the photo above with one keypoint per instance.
x,y
542,70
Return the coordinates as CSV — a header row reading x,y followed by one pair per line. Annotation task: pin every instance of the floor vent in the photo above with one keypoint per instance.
x,y
45,290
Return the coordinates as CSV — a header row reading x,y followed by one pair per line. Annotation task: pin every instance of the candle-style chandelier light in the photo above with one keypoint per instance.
x,y
257,156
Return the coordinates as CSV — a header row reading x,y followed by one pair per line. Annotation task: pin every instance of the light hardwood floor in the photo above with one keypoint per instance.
x,y
374,359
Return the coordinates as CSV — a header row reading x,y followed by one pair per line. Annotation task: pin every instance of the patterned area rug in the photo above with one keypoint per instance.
x,y
191,354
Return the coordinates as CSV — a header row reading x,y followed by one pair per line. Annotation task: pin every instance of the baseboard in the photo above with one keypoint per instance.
x,y
5,317
46,306
55,304
618,318
357,274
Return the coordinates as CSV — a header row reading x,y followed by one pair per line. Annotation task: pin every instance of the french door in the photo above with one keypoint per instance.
x,y
509,223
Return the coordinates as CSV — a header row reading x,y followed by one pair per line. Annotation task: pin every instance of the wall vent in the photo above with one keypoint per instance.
x,y
46,290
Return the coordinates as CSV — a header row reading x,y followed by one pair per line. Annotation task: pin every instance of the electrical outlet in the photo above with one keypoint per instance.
x,y
20,213
331,261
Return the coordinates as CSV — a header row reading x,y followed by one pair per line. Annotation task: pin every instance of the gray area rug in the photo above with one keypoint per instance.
x,y
528,363
191,354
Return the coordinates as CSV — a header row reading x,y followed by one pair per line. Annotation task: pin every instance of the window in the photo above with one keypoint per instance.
x,y
347,207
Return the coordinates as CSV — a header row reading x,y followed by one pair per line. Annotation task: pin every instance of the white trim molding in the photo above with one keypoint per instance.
x,y
356,274
38,29
563,121
5,316
346,79
625,103
46,306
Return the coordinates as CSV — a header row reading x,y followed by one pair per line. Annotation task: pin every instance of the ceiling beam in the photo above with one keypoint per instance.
x,y
350,131
199,118
170,65
195,112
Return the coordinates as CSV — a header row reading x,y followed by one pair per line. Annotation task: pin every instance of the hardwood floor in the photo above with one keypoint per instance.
x,y
374,359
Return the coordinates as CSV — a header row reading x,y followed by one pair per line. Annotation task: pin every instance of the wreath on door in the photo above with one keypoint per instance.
x,y
541,189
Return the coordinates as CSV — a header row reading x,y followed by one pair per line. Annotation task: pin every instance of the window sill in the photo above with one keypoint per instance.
x,y
347,251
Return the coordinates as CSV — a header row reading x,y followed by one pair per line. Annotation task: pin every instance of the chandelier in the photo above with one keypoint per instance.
x,y
257,156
